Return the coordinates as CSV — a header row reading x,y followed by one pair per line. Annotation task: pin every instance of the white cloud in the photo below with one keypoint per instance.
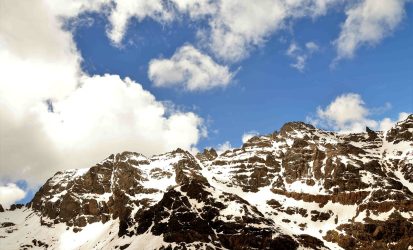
x,y
348,113
10,193
347,108
38,59
53,116
140,9
70,9
248,135
301,55
367,23
196,9
232,39
190,68
221,148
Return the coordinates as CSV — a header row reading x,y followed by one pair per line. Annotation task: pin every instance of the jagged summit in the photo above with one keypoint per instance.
x,y
301,187
295,126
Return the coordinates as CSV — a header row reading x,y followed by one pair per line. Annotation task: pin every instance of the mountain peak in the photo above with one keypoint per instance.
x,y
296,126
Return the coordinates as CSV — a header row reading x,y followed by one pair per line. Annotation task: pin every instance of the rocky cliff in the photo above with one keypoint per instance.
x,y
299,188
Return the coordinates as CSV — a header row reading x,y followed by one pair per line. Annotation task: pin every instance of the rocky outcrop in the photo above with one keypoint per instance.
x,y
15,206
207,155
350,198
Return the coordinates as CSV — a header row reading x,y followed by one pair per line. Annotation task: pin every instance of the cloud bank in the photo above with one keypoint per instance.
x,y
54,116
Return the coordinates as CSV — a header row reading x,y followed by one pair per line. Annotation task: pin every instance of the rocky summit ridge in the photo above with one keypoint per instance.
x,y
299,188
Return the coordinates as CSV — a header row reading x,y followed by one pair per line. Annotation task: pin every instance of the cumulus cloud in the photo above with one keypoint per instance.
x,y
348,113
10,193
248,135
53,116
367,23
301,55
191,69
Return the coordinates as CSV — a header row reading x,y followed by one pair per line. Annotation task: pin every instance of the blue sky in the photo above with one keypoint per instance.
x,y
86,79
266,91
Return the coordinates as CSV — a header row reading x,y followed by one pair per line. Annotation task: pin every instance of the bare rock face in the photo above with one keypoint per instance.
x,y
395,233
301,187
1,208
371,134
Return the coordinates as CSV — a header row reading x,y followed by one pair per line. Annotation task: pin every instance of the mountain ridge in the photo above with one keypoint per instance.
x,y
301,187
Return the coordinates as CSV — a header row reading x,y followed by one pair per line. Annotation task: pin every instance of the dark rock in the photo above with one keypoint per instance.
x,y
7,224
310,242
372,135
208,154
179,222
394,233
16,206
320,216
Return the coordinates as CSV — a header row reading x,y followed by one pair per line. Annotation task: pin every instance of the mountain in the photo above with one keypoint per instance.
x,y
299,188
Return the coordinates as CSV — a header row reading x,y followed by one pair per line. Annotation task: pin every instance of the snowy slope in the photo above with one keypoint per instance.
x,y
299,188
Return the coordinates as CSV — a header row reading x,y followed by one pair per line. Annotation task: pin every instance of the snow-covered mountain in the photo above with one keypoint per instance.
x,y
299,188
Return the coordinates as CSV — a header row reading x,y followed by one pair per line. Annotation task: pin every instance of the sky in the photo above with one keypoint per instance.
x,y
86,79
